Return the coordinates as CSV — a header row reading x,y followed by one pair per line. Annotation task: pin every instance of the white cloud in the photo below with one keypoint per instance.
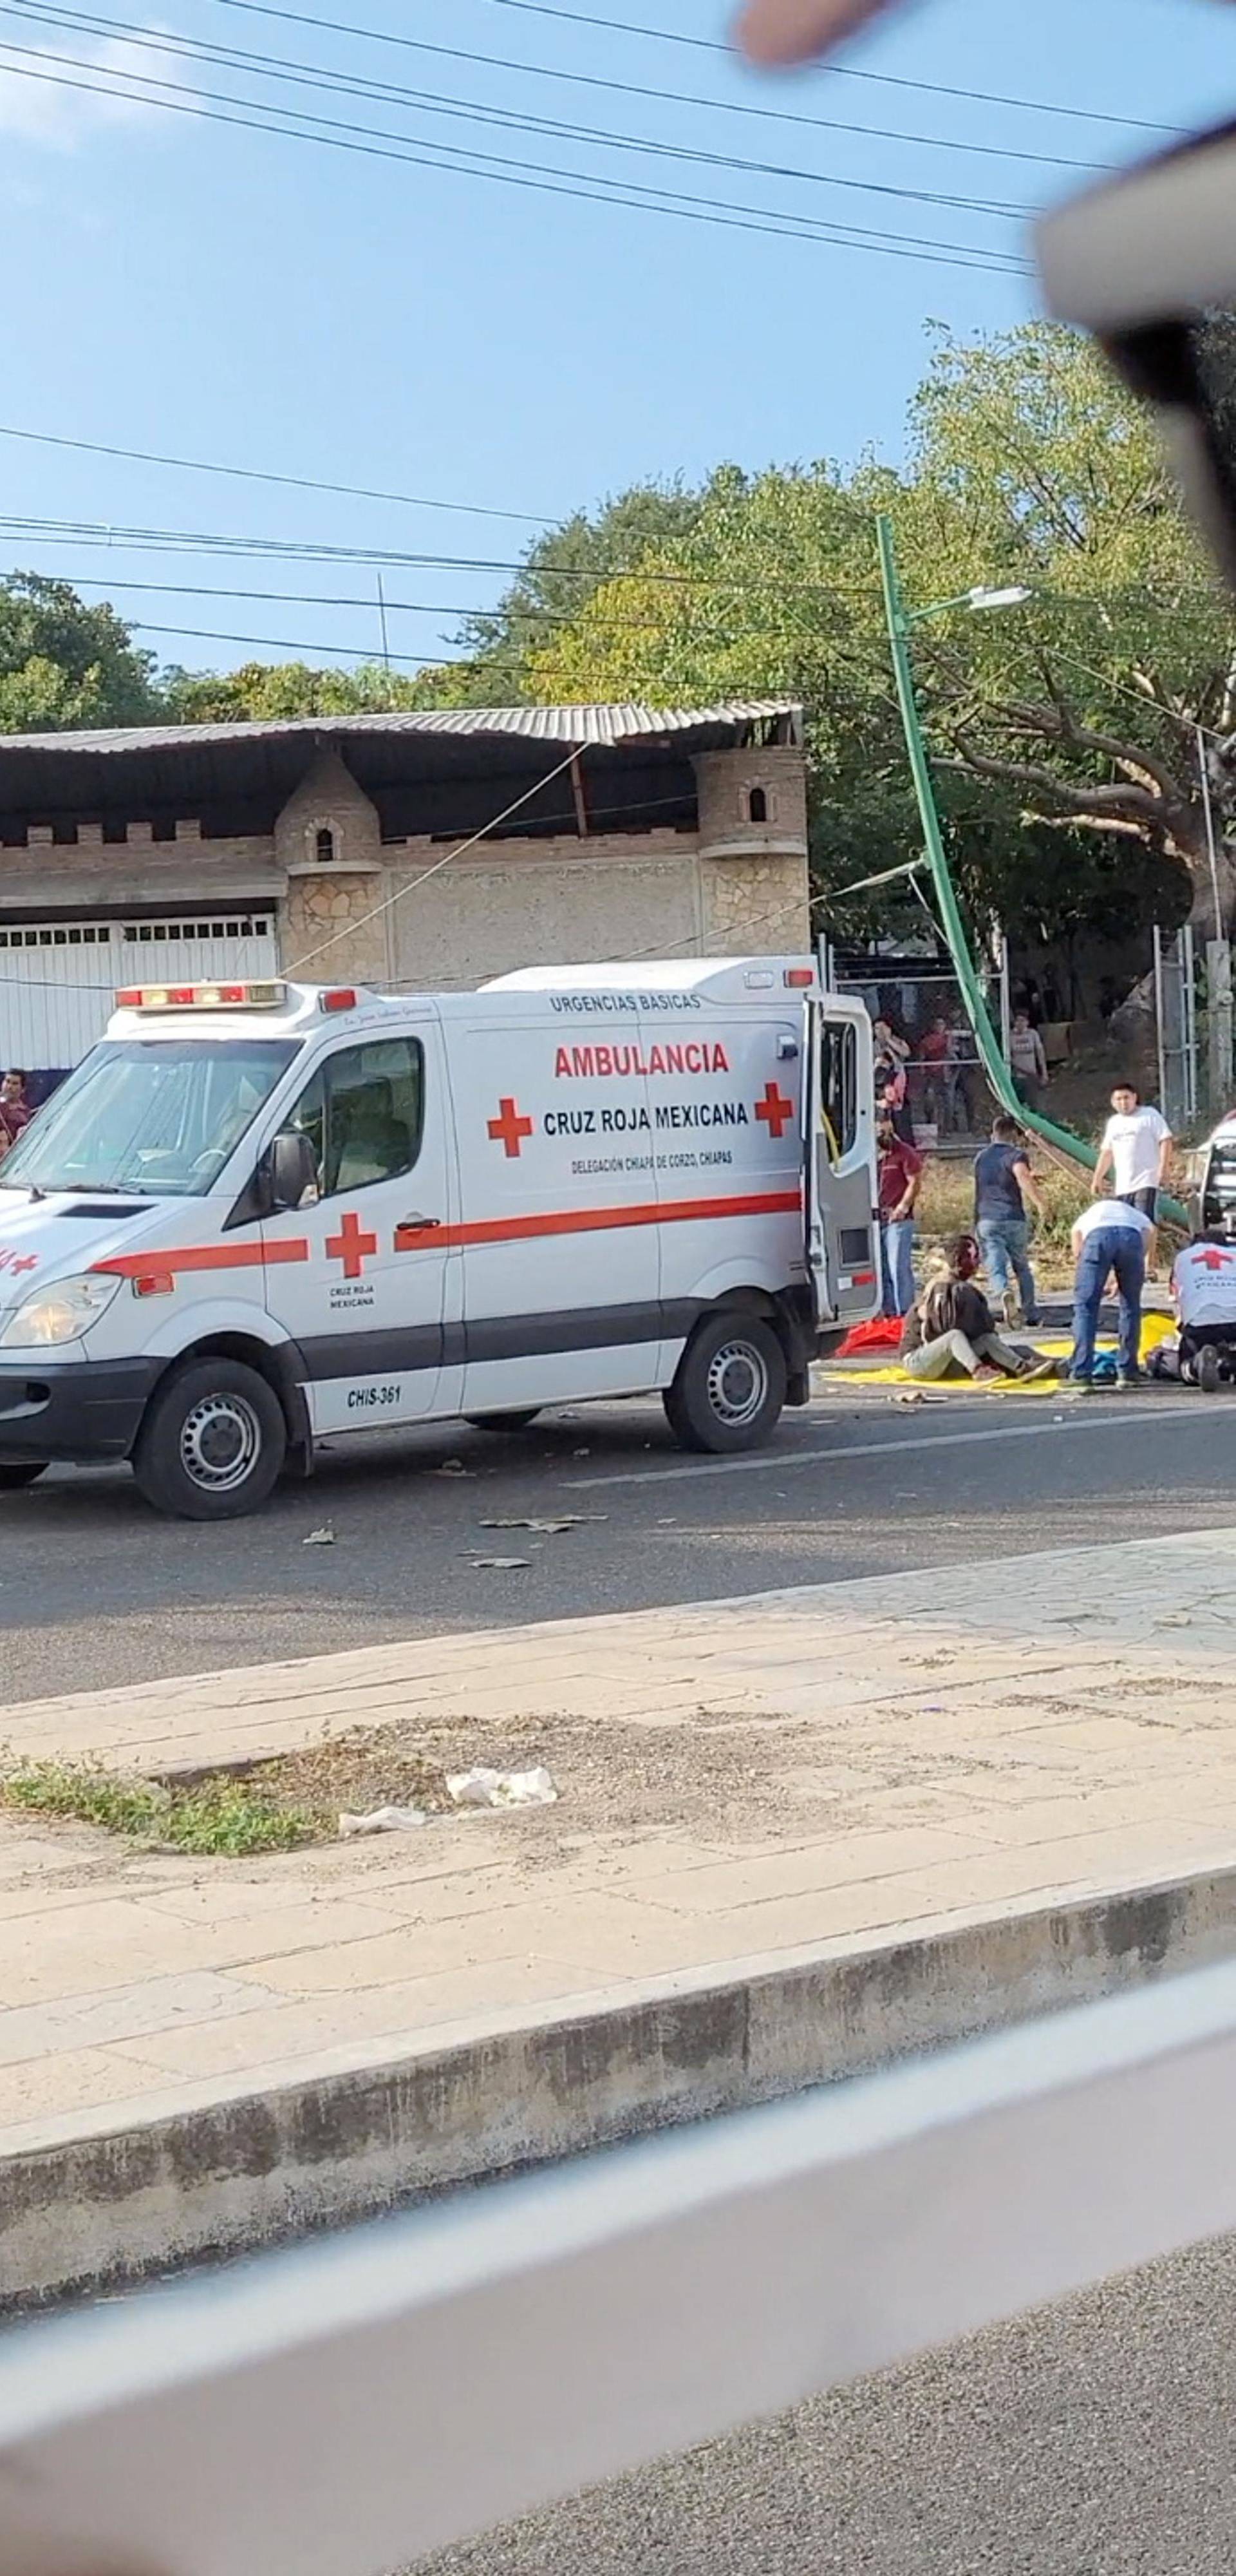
x,y
53,110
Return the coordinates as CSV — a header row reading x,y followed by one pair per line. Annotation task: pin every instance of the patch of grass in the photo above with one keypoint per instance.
x,y
226,1815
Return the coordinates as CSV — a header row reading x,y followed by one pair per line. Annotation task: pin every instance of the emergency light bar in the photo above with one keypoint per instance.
x,y
202,997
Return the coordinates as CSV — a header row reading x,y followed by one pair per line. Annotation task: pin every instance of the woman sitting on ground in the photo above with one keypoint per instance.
x,y
950,1325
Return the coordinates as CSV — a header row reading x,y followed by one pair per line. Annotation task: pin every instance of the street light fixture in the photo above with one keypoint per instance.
x,y
1014,597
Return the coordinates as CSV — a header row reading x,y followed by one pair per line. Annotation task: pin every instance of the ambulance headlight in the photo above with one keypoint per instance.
x,y
61,1312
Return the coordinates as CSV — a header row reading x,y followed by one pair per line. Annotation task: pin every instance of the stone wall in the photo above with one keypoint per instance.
x,y
542,903
755,906
741,885
329,932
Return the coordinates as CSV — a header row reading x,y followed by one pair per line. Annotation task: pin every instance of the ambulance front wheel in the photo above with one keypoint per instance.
x,y
730,1385
213,1442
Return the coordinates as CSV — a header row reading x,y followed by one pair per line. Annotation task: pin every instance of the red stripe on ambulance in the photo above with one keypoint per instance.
x,y
518,1229
203,1256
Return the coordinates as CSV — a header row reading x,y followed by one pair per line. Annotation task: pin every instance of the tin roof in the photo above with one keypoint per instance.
x,y
605,726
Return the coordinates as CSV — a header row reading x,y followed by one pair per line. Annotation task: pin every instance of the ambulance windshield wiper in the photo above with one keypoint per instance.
x,y
31,1188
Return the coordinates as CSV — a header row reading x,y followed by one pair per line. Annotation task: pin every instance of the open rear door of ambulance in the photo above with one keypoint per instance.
x,y
843,1247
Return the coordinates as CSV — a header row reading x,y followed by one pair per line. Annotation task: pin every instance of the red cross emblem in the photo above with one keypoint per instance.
x,y
1212,1259
28,1261
350,1246
775,1110
508,1129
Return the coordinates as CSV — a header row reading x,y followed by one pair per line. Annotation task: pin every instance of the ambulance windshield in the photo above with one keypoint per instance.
x,y
159,1116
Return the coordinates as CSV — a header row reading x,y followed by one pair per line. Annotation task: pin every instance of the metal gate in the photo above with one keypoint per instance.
x,y
58,979
1176,1023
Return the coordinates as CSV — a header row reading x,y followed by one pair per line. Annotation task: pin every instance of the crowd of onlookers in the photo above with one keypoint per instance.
x,y
947,1321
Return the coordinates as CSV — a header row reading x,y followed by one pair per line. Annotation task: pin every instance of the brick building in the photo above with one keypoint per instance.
x,y
180,852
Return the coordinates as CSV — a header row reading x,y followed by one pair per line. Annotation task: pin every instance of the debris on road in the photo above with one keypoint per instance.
x,y
917,1395
381,1820
324,1537
499,1564
549,1528
484,1788
454,1467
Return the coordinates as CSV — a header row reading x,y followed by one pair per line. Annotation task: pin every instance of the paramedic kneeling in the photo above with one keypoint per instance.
x,y
1204,1292
1109,1237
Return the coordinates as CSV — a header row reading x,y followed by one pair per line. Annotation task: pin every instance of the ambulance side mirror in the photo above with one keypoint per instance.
x,y
293,1168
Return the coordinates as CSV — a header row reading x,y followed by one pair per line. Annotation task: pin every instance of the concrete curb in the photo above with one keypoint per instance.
x,y
338,2143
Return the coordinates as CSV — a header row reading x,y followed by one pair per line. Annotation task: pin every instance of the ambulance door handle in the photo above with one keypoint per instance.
x,y
419,1224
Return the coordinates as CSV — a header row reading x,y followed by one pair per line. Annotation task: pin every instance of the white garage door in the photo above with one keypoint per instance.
x,y
58,980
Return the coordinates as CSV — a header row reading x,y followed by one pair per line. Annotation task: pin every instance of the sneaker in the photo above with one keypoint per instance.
x,y
1083,1386
1207,1369
1011,1309
1130,1377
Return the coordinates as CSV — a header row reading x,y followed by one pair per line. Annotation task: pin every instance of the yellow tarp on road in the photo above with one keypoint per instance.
x,y
888,1372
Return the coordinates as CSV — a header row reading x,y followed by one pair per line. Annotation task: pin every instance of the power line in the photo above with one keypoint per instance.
x,y
474,112
254,474
606,621
645,90
845,71
280,549
586,187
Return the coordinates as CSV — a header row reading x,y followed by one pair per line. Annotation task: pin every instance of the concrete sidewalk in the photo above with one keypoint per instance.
x,y
793,1774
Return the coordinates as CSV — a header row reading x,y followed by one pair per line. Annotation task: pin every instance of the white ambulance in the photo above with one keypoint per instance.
x,y
260,1214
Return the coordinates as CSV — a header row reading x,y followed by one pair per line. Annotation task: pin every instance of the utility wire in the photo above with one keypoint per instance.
x,y
843,71
286,549
645,90
475,112
587,187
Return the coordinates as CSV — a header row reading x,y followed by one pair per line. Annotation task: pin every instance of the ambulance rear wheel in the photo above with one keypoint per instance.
x,y
504,1421
14,1478
213,1442
730,1386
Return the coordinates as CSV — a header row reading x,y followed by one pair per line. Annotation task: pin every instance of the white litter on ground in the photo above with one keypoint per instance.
x,y
484,1788
382,1820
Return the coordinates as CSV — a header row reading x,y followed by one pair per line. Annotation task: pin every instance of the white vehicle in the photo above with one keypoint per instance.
x,y
262,1213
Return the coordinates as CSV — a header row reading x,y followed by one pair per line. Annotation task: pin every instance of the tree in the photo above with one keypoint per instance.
x,y
560,573
64,665
1030,466
278,692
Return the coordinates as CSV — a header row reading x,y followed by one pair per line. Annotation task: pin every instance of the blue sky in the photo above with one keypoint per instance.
x,y
179,285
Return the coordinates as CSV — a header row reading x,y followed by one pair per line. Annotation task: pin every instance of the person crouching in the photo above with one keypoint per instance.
x,y
950,1325
1204,1295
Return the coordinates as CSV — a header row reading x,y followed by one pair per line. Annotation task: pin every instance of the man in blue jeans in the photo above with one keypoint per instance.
x,y
1109,1237
1004,1188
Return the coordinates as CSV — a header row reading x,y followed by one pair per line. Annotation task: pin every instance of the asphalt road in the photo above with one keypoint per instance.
x,y
95,1590
1094,2439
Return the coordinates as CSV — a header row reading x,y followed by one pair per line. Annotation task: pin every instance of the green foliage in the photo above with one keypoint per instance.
x,y
225,1815
278,692
560,574
64,665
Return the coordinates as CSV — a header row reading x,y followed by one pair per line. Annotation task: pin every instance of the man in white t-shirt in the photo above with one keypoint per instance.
x,y
1204,1294
1109,1239
1135,1152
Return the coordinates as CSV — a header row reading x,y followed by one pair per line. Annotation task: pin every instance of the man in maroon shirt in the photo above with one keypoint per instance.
x,y
900,1178
15,1109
